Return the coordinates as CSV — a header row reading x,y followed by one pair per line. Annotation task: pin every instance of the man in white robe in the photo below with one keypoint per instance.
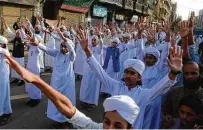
x,y
131,86
120,111
5,102
33,65
63,78
90,84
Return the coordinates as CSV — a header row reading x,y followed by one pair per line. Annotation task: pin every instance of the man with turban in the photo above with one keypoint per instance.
x,y
131,84
5,103
120,111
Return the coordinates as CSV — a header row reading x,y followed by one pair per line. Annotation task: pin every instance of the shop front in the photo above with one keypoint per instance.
x,y
11,10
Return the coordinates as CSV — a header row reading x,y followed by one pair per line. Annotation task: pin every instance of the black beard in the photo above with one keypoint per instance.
x,y
37,32
192,84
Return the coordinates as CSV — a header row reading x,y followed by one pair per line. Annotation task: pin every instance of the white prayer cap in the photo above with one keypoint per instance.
x,y
124,105
66,33
127,35
162,36
64,28
116,40
134,33
52,27
95,37
153,51
136,64
3,40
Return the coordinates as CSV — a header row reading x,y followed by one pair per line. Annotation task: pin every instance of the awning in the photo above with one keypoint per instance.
x,y
23,2
81,6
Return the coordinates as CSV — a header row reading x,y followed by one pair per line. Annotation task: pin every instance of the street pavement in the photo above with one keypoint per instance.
x,y
25,117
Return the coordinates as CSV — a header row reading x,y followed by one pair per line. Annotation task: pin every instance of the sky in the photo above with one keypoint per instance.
x,y
186,6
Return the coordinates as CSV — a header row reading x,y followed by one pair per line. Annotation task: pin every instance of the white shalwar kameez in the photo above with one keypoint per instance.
x,y
5,102
33,66
79,63
141,96
50,43
41,53
90,85
63,78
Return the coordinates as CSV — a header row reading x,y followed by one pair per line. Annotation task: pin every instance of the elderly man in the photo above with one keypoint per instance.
x,y
120,111
131,86
5,103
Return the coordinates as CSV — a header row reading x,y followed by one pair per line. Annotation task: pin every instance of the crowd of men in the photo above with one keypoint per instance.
x,y
152,74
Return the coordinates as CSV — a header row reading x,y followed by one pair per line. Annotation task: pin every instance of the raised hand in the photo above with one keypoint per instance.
x,y
184,29
175,59
167,27
32,40
83,38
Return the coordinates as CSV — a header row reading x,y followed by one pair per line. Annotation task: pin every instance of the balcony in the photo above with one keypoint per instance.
x,y
113,2
128,4
138,7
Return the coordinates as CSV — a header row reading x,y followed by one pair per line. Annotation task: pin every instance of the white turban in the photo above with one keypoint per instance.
x,y
95,37
136,64
162,36
116,40
124,105
66,33
153,51
69,43
3,40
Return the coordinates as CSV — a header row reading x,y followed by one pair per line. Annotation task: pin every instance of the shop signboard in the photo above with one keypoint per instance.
x,y
99,11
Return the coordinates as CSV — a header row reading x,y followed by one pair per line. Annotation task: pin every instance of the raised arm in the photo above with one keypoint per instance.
x,y
8,30
69,44
111,85
62,103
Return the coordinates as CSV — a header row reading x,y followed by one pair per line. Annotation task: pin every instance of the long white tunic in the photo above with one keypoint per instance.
x,y
5,102
90,85
80,60
141,96
50,43
33,66
63,79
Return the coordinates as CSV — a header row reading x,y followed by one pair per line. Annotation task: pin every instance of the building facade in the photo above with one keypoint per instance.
x,y
199,22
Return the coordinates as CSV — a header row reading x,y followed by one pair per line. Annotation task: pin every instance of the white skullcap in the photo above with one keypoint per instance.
x,y
66,33
127,35
64,28
153,51
95,37
136,64
52,27
3,40
124,105
116,40
134,33
162,36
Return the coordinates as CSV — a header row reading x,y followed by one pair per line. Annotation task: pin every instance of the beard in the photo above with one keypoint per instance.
x,y
37,32
192,84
